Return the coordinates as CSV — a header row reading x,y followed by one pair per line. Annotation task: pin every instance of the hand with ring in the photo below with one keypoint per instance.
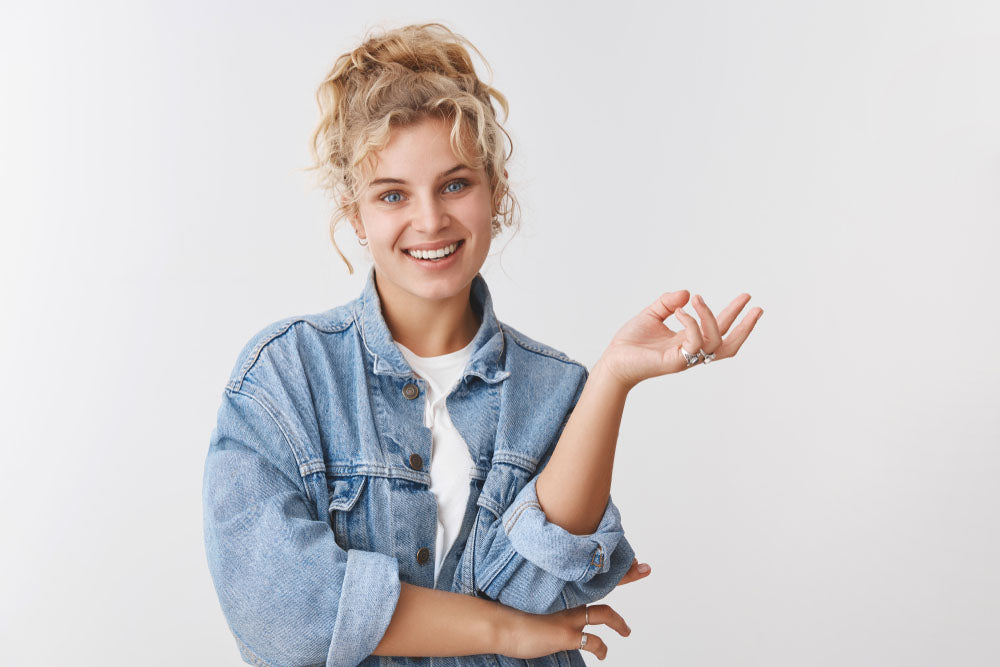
x,y
645,347
534,635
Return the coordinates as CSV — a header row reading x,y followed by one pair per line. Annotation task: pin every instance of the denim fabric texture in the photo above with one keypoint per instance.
x,y
314,510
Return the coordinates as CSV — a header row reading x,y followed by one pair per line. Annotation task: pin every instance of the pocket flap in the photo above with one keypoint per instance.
x,y
502,484
345,491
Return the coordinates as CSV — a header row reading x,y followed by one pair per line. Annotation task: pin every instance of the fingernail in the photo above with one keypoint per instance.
x,y
643,568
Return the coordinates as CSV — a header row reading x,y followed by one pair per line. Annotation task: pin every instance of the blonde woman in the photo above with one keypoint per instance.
x,y
404,474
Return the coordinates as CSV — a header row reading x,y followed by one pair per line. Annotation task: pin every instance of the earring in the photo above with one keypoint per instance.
x,y
362,241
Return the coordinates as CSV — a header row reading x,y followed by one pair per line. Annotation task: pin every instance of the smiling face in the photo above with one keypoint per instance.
x,y
422,197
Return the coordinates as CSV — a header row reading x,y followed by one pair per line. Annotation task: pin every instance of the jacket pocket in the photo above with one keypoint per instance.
x,y
501,486
344,494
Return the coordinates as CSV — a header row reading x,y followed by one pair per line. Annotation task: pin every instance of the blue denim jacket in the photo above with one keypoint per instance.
x,y
315,507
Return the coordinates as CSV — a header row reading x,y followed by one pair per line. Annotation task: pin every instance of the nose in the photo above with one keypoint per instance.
x,y
430,217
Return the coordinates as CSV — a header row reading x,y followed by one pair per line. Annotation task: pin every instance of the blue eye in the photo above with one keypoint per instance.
x,y
395,193
389,194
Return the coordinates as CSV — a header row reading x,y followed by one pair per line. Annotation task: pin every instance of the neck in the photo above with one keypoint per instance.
x,y
428,327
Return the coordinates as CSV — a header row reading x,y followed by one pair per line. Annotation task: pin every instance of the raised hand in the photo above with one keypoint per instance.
x,y
645,347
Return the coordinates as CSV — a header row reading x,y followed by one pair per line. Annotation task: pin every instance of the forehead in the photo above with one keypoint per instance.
x,y
418,152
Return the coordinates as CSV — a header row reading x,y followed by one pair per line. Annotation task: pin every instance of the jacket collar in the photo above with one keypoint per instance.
x,y
487,345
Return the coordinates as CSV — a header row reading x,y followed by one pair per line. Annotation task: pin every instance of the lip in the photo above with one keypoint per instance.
x,y
440,264
432,246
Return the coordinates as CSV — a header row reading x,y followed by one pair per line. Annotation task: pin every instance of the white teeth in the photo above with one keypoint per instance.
x,y
433,254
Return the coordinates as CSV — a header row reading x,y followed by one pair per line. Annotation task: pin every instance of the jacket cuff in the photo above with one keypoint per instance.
x,y
554,549
368,600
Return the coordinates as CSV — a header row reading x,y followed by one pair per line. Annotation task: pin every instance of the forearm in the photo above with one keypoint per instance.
x,y
574,487
430,622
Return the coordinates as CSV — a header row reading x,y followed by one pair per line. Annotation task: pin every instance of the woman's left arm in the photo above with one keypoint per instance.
x,y
560,543
574,488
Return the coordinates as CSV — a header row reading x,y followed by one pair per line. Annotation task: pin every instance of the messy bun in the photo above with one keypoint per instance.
x,y
394,79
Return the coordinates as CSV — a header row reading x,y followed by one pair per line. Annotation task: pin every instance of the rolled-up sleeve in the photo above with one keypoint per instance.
x,y
289,593
540,567
554,549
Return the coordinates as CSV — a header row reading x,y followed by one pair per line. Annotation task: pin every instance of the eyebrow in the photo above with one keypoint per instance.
x,y
400,181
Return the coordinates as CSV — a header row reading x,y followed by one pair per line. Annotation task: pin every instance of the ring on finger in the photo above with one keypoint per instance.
x,y
691,358
586,614
708,358
583,640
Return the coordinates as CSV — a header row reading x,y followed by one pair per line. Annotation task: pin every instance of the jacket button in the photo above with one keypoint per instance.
x,y
411,390
423,554
416,462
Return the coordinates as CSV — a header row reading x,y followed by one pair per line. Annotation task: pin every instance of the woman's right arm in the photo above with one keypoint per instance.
x,y
430,622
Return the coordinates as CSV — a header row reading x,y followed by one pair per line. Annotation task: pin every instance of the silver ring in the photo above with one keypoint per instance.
x,y
583,641
692,358
586,612
708,358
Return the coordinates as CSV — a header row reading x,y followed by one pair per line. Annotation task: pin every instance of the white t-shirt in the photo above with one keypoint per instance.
x,y
451,464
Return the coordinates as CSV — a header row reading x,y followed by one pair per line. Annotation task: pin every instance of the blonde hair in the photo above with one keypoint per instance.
x,y
395,79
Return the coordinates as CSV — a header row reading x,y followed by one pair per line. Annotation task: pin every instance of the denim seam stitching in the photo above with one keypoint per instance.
x,y
512,519
237,383
377,470
284,434
522,461
552,353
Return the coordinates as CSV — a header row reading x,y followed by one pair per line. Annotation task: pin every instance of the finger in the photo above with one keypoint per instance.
x,y
734,341
602,613
710,328
692,332
729,313
595,645
635,572
667,303
632,574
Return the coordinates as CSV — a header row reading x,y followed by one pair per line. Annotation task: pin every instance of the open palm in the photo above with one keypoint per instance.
x,y
645,347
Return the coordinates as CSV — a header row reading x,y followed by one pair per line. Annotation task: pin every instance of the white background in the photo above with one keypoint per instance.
x,y
828,497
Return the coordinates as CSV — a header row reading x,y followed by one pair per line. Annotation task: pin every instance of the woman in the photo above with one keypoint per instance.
x,y
404,474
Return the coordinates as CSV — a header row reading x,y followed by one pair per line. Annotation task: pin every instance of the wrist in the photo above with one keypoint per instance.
x,y
503,628
604,373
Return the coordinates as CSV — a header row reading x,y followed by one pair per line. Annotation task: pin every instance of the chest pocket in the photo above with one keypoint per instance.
x,y
345,516
502,484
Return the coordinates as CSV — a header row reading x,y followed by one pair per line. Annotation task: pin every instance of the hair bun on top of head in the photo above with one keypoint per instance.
x,y
394,78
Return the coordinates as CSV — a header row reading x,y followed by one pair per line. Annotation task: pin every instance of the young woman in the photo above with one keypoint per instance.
x,y
404,474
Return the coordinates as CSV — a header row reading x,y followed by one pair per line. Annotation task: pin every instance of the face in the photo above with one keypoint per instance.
x,y
422,197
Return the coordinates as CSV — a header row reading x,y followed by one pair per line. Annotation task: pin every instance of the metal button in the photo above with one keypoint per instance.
x,y
411,390
416,462
423,554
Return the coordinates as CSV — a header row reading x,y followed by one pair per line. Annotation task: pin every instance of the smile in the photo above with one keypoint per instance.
x,y
435,255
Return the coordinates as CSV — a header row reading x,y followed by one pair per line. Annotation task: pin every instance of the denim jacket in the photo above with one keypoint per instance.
x,y
316,488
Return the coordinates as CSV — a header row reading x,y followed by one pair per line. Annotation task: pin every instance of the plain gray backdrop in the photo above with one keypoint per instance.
x,y
827,498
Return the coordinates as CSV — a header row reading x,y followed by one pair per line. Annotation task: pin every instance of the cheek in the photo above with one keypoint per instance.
x,y
477,212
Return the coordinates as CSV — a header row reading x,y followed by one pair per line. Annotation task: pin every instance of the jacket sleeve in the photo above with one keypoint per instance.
x,y
524,561
290,594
